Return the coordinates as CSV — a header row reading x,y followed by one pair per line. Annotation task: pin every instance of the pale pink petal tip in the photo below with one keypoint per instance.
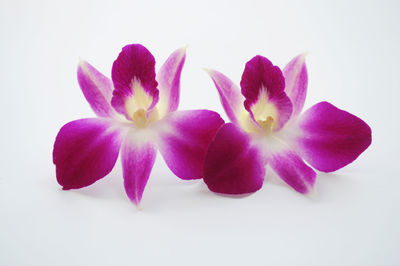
x,y
230,96
137,162
168,78
296,81
291,168
96,88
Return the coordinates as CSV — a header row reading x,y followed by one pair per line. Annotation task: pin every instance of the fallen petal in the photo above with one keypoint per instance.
x,y
232,164
85,151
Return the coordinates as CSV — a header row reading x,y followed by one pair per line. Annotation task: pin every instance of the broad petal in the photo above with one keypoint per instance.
x,y
85,151
137,162
168,78
296,80
96,88
232,164
231,98
134,78
331,138
263,87
291,168
184,137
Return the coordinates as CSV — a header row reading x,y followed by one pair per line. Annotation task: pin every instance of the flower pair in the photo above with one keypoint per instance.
x,y
137,115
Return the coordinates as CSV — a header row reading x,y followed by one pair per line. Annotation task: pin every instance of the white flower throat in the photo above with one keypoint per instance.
x,y
264,112
138,103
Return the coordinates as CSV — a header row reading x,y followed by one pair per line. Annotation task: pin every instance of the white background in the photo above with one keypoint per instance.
x,y
353,63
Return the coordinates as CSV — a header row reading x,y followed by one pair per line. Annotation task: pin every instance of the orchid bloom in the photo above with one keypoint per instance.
x,y
136,113
268,129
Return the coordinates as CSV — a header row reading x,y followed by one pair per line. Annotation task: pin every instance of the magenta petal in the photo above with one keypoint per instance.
x,y
184,139
260,73
97,89
85,150
137,161
261,77
331,138
296,80
232,164
134,65
168,78
230,96
291,168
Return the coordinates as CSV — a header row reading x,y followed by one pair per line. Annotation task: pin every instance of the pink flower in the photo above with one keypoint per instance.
x,y
136,113
269,129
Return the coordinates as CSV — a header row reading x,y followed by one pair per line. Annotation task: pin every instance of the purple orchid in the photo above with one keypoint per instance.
x,y
137,115
268,129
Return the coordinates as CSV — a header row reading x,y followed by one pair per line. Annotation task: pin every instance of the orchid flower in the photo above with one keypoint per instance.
x,y
269,129
136,115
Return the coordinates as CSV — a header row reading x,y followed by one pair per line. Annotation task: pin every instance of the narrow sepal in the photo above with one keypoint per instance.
x,y
96,88
296,80
168,78
138,159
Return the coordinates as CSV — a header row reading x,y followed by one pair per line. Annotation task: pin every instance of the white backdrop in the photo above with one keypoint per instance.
x,y
353,63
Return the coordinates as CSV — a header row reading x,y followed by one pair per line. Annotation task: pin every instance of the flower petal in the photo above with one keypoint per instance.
x,y
137,161
96,88
168,78
230,96
134,78
263,86
85,151
296,80
331,138
291,168
232,164
184,137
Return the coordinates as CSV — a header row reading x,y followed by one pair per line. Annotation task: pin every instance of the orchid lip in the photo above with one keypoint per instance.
x,y
139,105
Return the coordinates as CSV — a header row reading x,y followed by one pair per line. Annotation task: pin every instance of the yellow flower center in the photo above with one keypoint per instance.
x,y
267,125
138,104
265,112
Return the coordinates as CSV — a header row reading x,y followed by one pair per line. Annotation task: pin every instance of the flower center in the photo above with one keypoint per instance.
x,y
137,106
265,112
141,120
267,125
140,117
